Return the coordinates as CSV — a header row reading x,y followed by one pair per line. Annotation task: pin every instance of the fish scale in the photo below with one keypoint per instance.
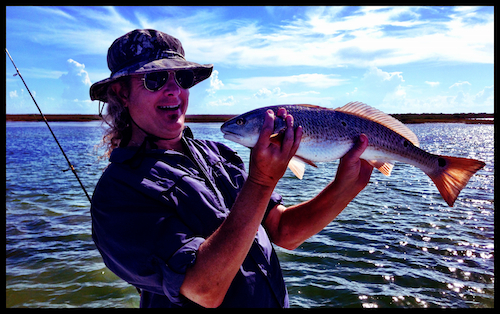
x,y
328,134
326,138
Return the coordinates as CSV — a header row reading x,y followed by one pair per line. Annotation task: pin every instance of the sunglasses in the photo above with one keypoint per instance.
x,y
155,81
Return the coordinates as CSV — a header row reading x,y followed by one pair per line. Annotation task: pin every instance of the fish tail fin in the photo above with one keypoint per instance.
x,y
453,175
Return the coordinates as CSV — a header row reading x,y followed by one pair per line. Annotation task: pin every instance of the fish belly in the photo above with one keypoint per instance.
x,y
323,151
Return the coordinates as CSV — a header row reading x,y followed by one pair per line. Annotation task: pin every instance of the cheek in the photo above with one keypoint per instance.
x,y
137,103
185,98
185,95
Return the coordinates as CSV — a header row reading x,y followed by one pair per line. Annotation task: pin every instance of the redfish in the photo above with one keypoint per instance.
x,y
330,133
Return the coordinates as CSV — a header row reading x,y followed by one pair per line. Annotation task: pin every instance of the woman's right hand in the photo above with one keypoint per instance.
x,y
268,159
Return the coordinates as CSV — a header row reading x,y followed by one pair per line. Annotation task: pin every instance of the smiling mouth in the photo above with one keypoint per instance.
x,y
169,108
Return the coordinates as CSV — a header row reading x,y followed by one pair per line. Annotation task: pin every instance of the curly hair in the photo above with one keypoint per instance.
x,y
118,119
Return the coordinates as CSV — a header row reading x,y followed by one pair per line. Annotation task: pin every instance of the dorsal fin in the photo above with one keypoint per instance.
x,y
364,111
314,106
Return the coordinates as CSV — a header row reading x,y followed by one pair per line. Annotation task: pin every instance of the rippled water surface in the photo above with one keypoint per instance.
x,y
396,245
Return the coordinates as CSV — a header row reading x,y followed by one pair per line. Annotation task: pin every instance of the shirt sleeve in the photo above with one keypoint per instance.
x,y
141,240
233,160
276,199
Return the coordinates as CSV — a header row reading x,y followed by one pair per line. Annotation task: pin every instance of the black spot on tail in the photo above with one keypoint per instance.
x,y
441,162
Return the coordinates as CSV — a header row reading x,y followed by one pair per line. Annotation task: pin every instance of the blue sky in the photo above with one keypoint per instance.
x,y
397,59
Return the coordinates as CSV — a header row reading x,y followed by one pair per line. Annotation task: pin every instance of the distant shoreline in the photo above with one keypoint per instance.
x,y
471,118
95,117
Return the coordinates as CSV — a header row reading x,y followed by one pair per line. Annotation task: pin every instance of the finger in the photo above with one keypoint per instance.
x,y
281,113
298,138
366,170
289,137
267,127
359,147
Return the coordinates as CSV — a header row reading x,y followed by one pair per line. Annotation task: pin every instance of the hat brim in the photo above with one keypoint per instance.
x,y
98,90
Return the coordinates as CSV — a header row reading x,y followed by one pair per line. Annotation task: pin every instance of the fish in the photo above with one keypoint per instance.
x,y
328,134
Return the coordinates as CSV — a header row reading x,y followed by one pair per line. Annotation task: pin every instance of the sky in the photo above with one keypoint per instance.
x,y
396,59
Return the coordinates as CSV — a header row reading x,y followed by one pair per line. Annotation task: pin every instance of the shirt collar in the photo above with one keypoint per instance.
x,y
122,154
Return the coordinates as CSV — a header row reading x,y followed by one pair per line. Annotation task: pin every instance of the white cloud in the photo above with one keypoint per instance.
x,y
42,73
317,36
373,36
432,84
484,96
383,87
77,81
55,12
215,83
380,77
460,85
266,93
380,88
21,101
353,92
222,102
388,92
314,80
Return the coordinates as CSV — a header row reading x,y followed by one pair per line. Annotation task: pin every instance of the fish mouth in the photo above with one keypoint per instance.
x,y
228,135
231,136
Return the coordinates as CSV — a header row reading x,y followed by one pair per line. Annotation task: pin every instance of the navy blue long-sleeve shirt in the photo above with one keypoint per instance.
x,y
151,211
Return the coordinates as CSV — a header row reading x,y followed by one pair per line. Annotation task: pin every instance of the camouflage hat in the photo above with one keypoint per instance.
x,y
143,51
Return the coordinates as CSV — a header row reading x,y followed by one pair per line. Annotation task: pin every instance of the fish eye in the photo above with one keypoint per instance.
x,y
240,121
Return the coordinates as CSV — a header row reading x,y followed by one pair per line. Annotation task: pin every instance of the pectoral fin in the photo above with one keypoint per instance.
x,y
277,138
298,166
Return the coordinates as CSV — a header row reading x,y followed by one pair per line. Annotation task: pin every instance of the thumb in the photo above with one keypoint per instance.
x,y
358,149
267,128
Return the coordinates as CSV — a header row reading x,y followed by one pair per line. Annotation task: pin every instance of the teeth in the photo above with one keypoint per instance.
x,y
169,107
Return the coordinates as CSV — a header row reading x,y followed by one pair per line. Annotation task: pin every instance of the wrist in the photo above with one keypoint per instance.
x,y
343,193
261,183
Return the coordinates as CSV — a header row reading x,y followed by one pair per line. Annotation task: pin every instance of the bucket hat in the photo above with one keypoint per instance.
x,y
144,51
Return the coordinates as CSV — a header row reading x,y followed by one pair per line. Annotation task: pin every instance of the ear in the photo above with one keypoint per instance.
x,y
121,90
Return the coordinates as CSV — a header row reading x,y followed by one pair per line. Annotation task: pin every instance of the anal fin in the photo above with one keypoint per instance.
x,y
384,167
307,161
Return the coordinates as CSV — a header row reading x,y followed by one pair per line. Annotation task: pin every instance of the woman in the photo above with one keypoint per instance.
x,y
179,217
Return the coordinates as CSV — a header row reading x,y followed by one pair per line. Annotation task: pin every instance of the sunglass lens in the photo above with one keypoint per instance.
x,y
155,81
185,78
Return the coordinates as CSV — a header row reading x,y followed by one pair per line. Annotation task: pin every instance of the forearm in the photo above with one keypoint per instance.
x,y
289,227
221,255
297,223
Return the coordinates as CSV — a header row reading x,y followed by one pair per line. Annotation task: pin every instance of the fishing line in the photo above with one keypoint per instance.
x,y
50,129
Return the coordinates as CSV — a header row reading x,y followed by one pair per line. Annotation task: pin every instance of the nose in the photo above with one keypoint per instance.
x,y
171,88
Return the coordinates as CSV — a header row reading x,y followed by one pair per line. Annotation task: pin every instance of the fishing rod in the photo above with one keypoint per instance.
x,y
50,129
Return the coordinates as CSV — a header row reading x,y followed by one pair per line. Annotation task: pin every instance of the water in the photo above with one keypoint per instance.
x,y
396,245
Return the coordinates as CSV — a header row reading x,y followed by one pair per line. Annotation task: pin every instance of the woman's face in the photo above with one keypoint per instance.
x,y
161,113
